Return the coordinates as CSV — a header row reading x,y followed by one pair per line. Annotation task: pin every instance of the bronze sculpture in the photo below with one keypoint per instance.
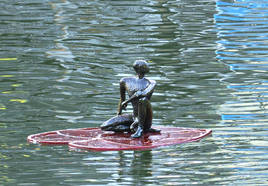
x,y
140,90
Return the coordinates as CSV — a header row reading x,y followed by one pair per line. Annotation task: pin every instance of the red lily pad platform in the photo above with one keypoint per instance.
x,y
97,140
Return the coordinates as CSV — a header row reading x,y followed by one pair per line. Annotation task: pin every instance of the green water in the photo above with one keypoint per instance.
x,y
60,64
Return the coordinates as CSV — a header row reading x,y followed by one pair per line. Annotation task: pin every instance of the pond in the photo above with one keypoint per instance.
x,y
61,62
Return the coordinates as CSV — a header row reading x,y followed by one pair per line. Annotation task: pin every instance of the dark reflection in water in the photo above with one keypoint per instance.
x,y
61,62
139,168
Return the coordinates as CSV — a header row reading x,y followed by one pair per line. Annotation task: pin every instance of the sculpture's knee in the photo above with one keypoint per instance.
x,y
105,126
116,122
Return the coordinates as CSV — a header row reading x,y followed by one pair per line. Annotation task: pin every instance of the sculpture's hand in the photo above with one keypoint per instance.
x,y
138,93
122,106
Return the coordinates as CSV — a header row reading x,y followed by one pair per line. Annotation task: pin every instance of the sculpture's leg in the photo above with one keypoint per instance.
x,y
144,117
149,116
120,123
149,119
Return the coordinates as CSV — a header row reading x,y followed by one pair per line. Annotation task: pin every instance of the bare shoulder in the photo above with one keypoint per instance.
x,y
126,79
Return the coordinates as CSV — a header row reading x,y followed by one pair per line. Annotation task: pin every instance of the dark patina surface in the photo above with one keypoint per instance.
x,y
139,90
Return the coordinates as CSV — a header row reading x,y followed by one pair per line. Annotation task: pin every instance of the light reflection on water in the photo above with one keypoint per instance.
x,y
241,32
60,66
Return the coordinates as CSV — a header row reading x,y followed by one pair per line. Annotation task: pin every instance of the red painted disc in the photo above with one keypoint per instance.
x,y
98,140
63,137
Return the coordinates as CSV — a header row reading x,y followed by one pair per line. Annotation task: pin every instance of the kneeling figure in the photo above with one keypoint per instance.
x,y
140,90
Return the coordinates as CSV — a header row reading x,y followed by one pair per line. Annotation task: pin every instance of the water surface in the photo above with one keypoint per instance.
x,y
61,62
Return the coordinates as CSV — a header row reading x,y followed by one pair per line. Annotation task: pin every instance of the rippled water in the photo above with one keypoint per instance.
x,y
61,61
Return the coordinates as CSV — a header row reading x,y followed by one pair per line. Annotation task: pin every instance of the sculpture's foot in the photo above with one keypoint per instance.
x,y
153,130
138,133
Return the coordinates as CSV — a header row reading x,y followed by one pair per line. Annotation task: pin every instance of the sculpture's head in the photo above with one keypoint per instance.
x,y
141,67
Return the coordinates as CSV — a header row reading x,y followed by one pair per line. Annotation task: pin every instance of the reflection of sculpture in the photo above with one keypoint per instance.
x,y
139,90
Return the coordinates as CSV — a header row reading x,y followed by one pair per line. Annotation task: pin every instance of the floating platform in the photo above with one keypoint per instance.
x,y
97,140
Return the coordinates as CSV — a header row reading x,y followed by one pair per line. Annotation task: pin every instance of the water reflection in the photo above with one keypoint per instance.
x,y
61,52
242,46
241,31
139,168
123,168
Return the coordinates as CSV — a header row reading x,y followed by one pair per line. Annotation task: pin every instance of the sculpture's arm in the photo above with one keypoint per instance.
x,y
122,96
147,91
141,93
